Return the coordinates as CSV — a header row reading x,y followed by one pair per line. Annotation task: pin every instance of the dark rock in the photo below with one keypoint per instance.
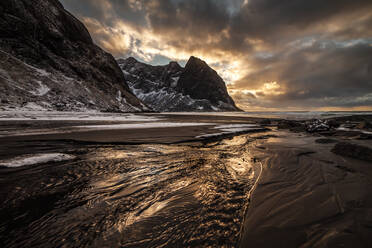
x,y
200,81
43,34
353,151
172,88
334,123
317,126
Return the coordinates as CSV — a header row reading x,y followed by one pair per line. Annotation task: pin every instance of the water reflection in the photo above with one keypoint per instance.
x,y
141,196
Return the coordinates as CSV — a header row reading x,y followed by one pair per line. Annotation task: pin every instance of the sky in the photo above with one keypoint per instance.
x,y
273,55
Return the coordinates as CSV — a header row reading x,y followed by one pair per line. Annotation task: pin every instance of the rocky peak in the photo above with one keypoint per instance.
x,y
127,61
174,66
200,81
201,88
196,62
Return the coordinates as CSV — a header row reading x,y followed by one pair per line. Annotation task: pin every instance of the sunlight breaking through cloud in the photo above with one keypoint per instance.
x,y
308,48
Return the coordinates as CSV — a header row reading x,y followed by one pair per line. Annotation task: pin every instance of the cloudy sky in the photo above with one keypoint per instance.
x,y
274,55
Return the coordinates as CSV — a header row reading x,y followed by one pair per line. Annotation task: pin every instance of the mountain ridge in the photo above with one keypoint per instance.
x,y
172,88
48,60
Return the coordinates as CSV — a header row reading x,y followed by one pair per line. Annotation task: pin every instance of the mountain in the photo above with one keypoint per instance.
x,y
49,61
171,88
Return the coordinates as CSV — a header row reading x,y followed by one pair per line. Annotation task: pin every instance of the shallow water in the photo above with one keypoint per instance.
x,y
130,196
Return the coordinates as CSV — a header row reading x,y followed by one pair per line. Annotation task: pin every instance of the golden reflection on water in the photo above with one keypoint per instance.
x,y
178,187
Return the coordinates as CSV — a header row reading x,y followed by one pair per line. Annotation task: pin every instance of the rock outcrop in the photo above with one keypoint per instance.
x,y
49,61
200,81
171,88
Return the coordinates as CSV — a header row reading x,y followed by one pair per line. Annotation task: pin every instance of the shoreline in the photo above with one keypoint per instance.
x,y
306,197
305,193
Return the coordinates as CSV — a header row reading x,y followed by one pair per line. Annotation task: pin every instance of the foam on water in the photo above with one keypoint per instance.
x,y
35,159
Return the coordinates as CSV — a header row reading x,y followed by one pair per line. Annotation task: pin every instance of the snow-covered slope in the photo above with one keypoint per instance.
x,y
49,61
25,87
158,87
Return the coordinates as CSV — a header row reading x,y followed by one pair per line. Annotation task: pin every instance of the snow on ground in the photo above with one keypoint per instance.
x,y
234,128
144,125
214,108
18,115
85,128
210,135
119,98
35,159
41,90
41,72
32,106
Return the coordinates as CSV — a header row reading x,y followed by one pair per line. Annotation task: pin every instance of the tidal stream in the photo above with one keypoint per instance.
x,y
131,196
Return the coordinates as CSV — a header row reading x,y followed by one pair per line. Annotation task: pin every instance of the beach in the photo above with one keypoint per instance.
x,y
172,180
308,197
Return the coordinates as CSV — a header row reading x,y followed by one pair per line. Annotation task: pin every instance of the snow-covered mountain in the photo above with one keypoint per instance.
x,y
49,61
171,88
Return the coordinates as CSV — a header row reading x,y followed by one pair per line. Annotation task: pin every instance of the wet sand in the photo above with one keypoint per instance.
x,y
148,195
30,134
273,188
308,197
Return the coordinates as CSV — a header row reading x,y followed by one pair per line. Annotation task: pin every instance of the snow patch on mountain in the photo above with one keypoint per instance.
x,y
41,90
157,87
25,87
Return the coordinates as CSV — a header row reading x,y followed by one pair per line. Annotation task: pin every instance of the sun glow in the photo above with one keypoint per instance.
x,y
123,39
267,89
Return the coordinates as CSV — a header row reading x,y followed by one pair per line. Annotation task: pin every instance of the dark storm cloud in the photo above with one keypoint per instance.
x,y
322,74
193,17
263,18
108,11
269,21
86,8
318,52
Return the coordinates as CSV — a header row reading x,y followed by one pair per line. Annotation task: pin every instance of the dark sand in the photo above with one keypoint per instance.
x,y
306,195
32,137
120,195
146,135
309,197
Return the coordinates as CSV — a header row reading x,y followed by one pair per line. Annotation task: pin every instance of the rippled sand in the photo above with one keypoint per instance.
x,y
131,196
165,187
308,196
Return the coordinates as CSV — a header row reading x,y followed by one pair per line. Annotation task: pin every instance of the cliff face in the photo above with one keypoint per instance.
x,y
171,88
200,81
48,59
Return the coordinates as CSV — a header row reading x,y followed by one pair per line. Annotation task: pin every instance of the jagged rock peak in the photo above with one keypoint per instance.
x,y
194,61
174,64
200,81
197,87
173,67
128,60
